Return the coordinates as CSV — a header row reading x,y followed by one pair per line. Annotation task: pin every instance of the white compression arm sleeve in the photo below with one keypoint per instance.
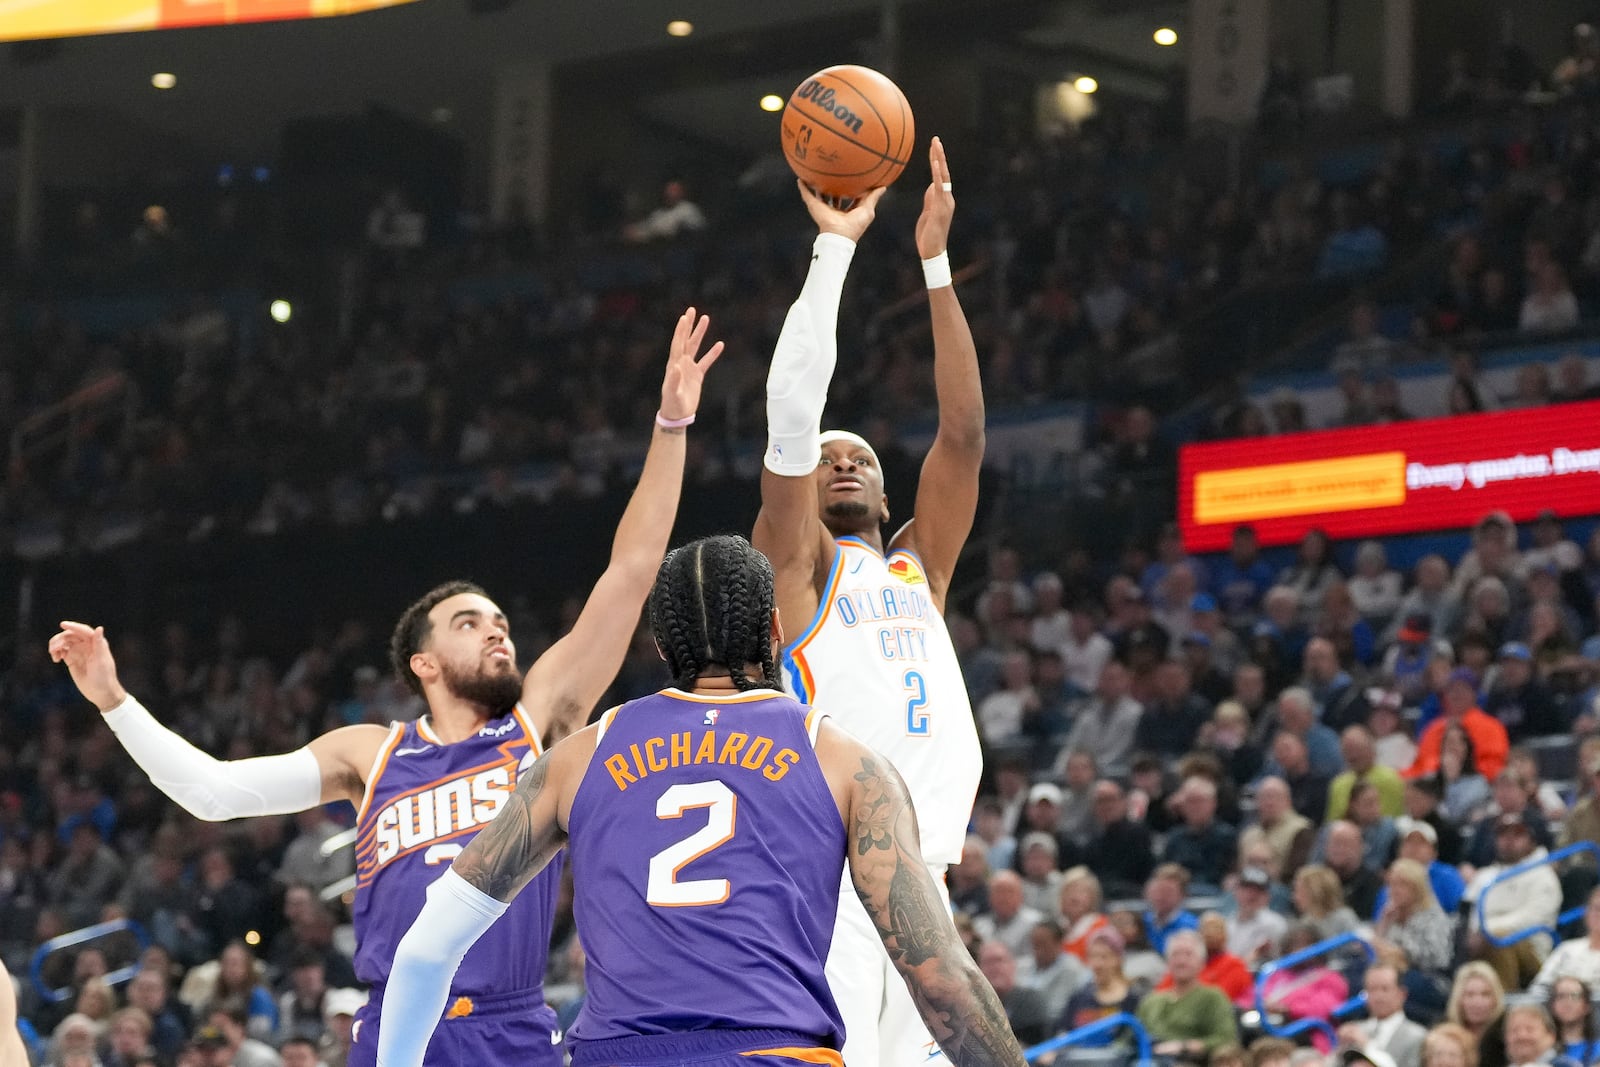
x,y
454,917
803,361
211,789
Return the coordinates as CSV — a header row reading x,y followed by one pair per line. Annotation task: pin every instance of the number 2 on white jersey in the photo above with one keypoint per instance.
x,y
916,717
664,890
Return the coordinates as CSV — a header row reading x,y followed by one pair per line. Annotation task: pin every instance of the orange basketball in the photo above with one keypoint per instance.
x,y
847,130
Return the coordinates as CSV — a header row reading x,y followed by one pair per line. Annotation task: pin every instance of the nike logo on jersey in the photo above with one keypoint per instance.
x,y
413,751
859,564
555,1037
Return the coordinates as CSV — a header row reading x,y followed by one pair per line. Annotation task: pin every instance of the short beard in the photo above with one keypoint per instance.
x,y
847,511
498,691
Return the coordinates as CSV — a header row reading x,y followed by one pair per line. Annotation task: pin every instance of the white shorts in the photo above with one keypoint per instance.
x,y
882,1027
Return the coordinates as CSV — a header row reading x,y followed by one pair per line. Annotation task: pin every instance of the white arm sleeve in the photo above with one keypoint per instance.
x,y
211,789
803,361
450,923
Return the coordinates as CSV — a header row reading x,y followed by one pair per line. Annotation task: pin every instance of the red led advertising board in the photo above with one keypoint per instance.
x,y
1431,474
24,19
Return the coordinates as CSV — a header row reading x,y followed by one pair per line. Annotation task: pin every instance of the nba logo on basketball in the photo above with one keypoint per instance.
x,y
905,568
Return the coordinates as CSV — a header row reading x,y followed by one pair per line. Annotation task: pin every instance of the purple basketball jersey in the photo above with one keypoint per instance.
x,y
706,854
426,800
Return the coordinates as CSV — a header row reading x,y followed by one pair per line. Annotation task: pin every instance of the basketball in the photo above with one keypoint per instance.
x,y
847,130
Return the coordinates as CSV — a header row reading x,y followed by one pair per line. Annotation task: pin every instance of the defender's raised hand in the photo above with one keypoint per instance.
x,y
686,367
938,205
87,654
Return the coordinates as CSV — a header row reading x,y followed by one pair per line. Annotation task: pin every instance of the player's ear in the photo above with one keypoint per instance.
x,y
423,666
777,630
883,510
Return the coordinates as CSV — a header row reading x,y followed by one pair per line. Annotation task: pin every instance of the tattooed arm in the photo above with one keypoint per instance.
x,y
956,1001
528,831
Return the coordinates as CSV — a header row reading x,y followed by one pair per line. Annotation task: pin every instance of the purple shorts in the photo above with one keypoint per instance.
x,y
513,1028
707,1048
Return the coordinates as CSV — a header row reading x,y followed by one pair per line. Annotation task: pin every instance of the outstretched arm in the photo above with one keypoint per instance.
x,y
955,1000
333,767
561,689
947,496
466,900
788,530
12,1052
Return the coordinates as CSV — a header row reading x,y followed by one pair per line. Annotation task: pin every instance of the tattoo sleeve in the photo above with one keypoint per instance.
x,y
519,842
893,882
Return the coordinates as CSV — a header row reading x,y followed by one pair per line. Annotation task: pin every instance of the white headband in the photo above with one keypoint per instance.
x,y
830,436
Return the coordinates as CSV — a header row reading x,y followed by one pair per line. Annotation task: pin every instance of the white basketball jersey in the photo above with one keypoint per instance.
x,y
878,658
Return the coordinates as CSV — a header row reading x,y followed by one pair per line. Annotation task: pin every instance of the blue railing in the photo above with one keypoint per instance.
x,y
1570,915
74,938
1310,952
1097,1029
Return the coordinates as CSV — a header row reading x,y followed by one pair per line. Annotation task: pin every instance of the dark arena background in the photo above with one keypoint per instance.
x,y
1282,613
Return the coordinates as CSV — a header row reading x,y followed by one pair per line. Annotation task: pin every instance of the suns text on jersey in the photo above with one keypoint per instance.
x,y
441,811
683,749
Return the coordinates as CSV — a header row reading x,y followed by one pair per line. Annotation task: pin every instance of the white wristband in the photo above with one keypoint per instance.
x,y
936,271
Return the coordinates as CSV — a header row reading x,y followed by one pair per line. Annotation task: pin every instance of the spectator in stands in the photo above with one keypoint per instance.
x,y
1375,587
1550,306
1109,723
1287,830
1009,920
1520,700
1109,993
1460,707
1531,1038
1296,714
1222,969
1345,855
1309,989
1336,700
677,216
1579,957
1002,713
1532,898
1051,971
223,1039
1391,744
1378,836
1511,797
1432,596
1142,964
1079,772
1079,906
1189,1020
1312,572
1319,901
1419,842
1387,407
129,1038
1174,717
339,1013
1365,349
299,1052
1051,622
1165,914
1451,1045
1202,844
1467,793
87,878
1255,929
1227,738
1041,875
1493,555
1386,1027
300,1008
73,1036
235,975
1084,650
1278,641
1025,1008
1242,579
147,991
1411,920
1583,822
969,879
304,861
1360,754
1119,847
1571,1006
1210,684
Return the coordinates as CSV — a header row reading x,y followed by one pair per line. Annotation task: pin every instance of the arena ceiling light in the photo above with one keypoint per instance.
x,y
1166,37
680,28
1085,84
772,102
281,311
163,80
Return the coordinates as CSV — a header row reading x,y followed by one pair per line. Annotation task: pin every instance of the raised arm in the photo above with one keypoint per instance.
x,y
956,1001
466,900
947,496
789,530
563,686
333,767
12,1052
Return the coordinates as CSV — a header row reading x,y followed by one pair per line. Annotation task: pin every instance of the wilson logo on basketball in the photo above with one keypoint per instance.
x,y
907,571
823,97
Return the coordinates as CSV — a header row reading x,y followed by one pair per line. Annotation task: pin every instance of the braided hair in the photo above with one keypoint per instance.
x,y
415,626
712,606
